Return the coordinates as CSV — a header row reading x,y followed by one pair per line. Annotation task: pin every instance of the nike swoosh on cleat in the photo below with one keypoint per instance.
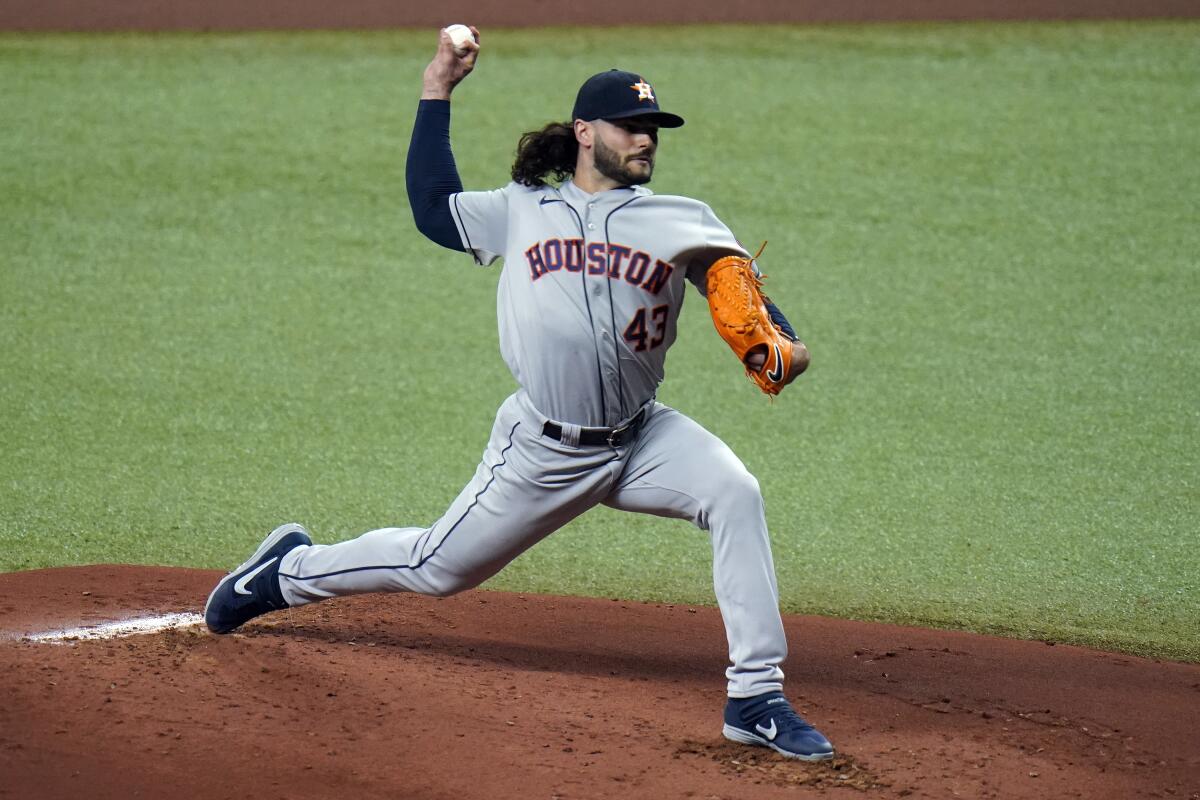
x,y
239,587
776,375
770,732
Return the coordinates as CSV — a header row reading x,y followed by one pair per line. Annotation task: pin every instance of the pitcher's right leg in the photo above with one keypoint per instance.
x,y
523,490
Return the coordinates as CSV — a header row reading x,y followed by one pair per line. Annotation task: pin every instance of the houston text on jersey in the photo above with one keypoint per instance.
x,y
637,267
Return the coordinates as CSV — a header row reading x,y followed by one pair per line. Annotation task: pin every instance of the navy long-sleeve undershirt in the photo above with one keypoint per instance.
x,y
431,175
779,319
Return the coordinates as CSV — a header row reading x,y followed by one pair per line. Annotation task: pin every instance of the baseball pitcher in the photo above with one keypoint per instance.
x,y
595,269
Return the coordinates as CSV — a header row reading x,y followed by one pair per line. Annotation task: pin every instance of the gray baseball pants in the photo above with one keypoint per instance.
x,y
528,485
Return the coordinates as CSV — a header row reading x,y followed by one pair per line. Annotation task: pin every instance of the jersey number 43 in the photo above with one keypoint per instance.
x,y
637,333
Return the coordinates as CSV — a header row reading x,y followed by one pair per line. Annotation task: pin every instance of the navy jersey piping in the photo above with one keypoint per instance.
x,y
419,564
463,225
586,301
612,311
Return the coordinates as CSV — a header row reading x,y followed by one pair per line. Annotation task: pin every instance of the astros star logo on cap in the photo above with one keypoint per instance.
x,y
643,89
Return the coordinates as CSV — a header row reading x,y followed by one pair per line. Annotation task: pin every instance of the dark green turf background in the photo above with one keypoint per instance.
x,y
215,314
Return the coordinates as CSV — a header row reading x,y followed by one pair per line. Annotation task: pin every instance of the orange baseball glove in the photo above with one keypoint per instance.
x,y
740,315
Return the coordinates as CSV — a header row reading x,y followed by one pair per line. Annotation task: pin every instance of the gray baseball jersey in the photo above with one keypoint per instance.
x,y
591,290
588,304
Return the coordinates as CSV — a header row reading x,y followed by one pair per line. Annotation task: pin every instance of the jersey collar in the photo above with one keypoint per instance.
x,y
573,194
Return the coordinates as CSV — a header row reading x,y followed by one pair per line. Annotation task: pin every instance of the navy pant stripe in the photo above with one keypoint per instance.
x,y
474,502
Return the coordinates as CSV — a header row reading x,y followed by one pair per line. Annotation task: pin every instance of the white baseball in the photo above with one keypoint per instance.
x,y
459,35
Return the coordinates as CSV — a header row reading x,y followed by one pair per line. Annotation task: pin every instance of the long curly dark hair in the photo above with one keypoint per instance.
x,y
550,151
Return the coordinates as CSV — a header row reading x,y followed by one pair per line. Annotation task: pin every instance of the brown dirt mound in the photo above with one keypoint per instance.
x,y
521,696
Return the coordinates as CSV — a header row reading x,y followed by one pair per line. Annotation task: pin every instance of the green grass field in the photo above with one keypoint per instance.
x,y
216,315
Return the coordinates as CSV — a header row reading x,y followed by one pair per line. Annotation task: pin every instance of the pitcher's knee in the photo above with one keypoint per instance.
x,y
448,585
737,493
441,582
445,590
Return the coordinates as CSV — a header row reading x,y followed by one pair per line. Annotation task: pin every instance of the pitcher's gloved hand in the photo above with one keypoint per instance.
x,y
772,358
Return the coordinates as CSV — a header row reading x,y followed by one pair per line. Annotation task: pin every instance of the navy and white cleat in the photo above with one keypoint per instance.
x,y
253,588
768,720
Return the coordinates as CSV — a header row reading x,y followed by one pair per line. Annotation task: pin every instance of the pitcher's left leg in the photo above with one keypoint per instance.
x,y
679,469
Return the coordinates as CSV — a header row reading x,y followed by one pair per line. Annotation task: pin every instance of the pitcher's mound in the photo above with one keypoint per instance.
x,y
509,697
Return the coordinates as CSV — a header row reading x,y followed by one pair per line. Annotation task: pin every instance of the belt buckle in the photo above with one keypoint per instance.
x,y
615,432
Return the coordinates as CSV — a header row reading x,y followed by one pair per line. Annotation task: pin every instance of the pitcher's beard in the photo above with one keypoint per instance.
x,y
610,165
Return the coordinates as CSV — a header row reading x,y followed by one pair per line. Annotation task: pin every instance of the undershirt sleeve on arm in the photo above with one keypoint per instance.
x,y
779,319
431,175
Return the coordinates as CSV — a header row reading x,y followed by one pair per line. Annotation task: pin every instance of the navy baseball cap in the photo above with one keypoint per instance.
x,y
617,94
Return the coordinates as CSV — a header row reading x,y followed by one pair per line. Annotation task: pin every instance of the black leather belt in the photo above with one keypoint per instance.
x,y
594,437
